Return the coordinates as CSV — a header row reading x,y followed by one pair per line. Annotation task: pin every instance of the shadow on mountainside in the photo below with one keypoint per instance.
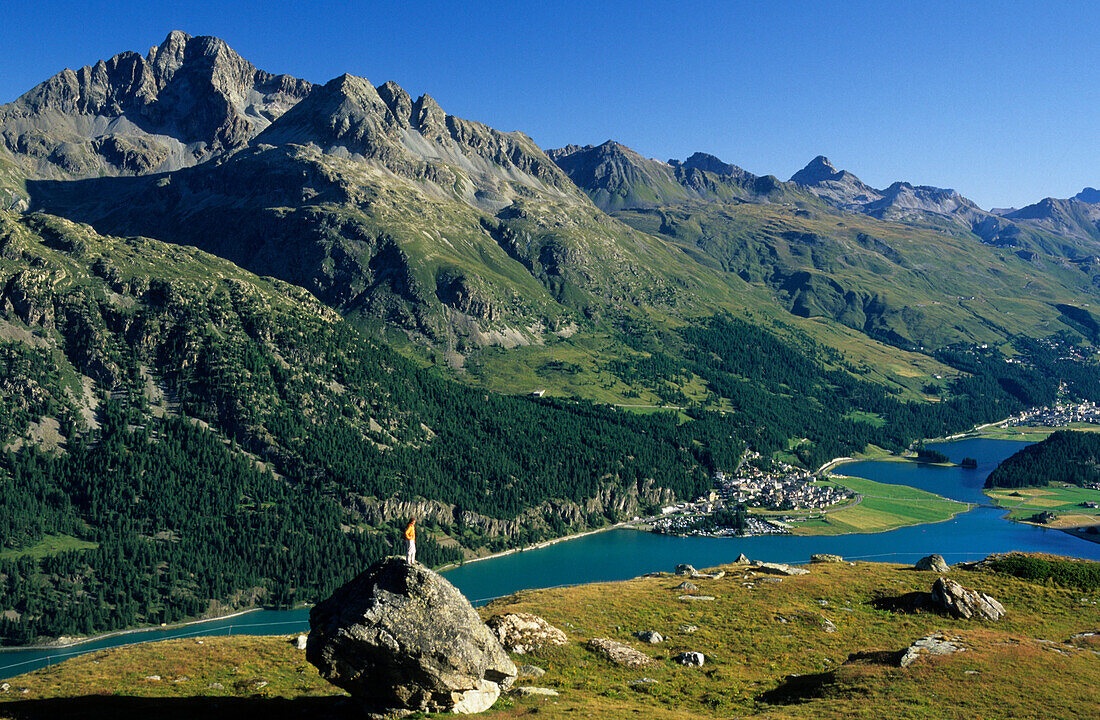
x,y
108,707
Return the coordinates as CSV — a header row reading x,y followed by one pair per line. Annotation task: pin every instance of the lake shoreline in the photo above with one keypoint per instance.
x,y
118,633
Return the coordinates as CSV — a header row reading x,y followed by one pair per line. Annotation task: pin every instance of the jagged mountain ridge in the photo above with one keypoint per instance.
x,y
188,100
392,210
1060,227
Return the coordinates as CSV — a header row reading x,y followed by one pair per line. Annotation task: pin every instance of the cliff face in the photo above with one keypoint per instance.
x,y
611,499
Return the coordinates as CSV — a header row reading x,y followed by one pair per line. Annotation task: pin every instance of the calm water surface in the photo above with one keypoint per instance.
x,y
622,554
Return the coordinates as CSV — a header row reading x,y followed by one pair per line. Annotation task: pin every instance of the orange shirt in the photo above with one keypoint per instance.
x,y
410,531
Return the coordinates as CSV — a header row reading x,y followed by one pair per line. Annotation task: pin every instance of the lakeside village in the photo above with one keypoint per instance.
x,y
757,483
1060,414
760,483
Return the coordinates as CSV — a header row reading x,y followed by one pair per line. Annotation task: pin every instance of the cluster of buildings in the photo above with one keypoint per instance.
x,y
1058,415
779,487
782,487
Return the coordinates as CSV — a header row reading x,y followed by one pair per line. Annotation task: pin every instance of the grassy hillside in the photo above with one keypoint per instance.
x,y
814,646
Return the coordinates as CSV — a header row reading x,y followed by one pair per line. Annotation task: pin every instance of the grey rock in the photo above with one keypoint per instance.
x,y
618,653
642,681
742,559
300,642
528,691
687,629
650,636
828,625
523,632
685,569
695,597
964,603
216,686
935,563
5,687
687,586
825,558
778,568
529,671
400,638
930,645
695,659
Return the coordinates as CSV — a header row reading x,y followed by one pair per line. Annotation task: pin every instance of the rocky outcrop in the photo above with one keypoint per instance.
x,y
402,639
964,603
818,558
937,644
523,632
935,563
777,568
618,653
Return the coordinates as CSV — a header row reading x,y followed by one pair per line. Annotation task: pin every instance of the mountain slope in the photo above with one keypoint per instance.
x,y
901,265
616,177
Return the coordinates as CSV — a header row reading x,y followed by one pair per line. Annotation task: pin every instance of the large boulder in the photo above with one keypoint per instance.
x,y
964,603
402,639
523,632
935,563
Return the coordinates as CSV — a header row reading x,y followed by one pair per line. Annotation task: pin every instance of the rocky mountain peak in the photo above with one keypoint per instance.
x,y
816,171
710,163
189,99
1088,195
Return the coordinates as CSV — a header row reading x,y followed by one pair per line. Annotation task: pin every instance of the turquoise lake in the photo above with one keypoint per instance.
x,y
622,554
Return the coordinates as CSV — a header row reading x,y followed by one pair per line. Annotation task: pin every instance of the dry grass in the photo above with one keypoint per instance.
x,y
755,634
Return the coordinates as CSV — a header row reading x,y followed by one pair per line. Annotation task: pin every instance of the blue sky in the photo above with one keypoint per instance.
x,y
997,100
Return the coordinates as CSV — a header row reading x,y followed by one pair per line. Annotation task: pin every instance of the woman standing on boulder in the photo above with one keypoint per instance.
x,y
410,535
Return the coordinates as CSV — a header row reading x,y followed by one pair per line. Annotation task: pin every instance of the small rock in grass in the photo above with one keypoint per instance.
x,y
300,642
695,659
215,686
685,569
528,691
687,629
687,586
618,653
153,678
641,681
696,597
650,636
529,671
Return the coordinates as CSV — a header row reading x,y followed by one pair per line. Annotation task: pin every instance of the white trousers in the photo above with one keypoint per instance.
x,y
410,555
